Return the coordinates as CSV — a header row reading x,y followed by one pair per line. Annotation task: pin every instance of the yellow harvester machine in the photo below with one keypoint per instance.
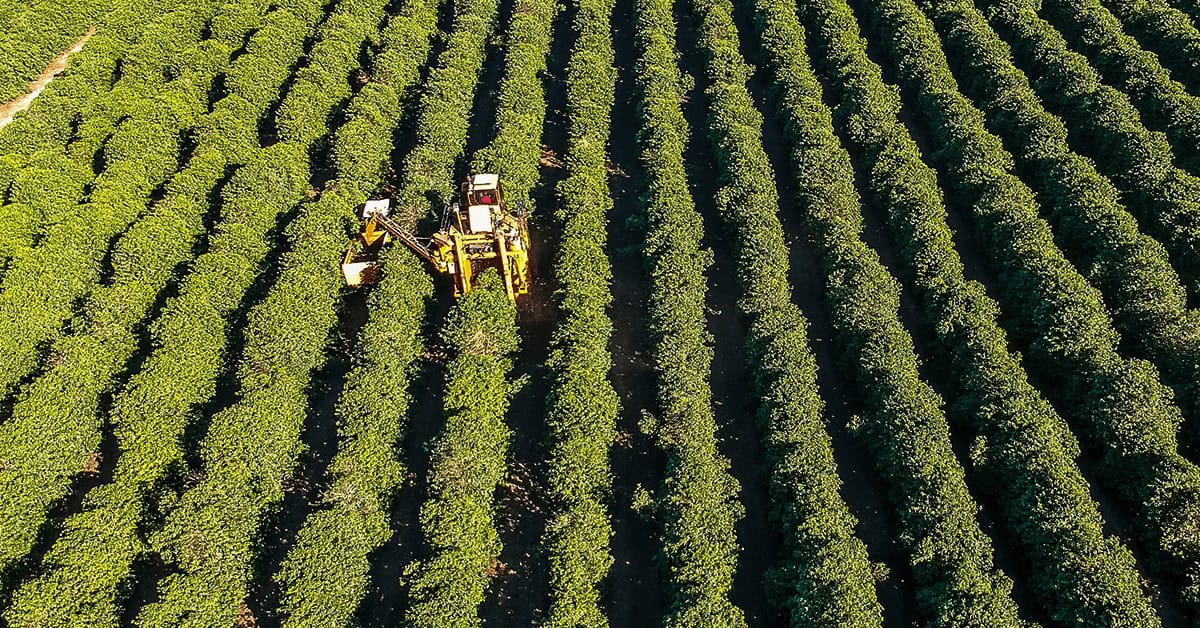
x,y
477,231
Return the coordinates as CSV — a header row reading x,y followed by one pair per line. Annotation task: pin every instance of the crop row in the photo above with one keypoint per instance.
x,y
1163,103
1024,452
366,471
469,456
53,426
144,71
468,460
829,577
1107,128
39,183
142,258
582,409
750,184
441,132
903,422
1132,271
159,401
451,583
83,114
35,32
251,447
93,73
1147,302
46,191
1118,407
698,502
145,68
84,92
326,575
1191,8
1165,30
264,188
324,578
251,206
521,108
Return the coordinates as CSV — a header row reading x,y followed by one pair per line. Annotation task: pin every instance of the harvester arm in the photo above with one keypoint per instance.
x,y
396,231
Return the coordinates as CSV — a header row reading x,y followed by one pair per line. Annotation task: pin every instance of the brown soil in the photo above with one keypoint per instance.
x,y
245,618
635,595
518,592
10,109
92,464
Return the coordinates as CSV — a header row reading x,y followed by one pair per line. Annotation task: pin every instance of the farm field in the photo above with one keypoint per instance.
x,y
837,313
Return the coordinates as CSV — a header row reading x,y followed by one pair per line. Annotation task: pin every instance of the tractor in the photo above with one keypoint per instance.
x,y
477,231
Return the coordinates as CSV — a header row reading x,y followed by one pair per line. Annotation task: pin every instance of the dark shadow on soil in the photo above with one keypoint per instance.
x,y
483,109
519,594
636,592
278,532
157,194
387,595
148,570
732,380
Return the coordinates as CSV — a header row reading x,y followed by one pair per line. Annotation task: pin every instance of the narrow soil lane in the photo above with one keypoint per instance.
x,y
518,594
636,594
10,109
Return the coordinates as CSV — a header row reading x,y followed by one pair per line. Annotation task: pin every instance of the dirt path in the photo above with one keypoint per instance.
x,y
10,109
636,595
519,594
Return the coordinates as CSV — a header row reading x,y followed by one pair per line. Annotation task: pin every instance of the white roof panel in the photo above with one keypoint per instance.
x,y
381,206
485,181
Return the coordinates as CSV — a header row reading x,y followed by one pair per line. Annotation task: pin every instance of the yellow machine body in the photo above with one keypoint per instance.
x,y
477,232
